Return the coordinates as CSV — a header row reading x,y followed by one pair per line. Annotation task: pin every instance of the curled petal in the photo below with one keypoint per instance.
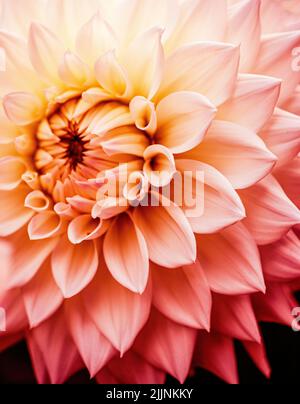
x,y
182,120
45,225
37,201
159,165
13,213
84,228
11,172
144,114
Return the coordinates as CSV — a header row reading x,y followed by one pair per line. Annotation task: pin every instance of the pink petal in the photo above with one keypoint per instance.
x,y
13,214
183,295
41,296
293,103
216,354
276,60
167,345
37,360
45,225
133,17
288,177
207,68
246,34
257,352
231,270
270,213
118,313
182,120
131,369
281,260
276,305
234,316
55,347
253,101
126,254
27,258
16,319
213,17
83,228
94,348
281,135
239,154
221,205
74,266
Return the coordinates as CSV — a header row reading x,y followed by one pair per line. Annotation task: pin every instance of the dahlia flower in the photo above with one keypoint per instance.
x,y
132,281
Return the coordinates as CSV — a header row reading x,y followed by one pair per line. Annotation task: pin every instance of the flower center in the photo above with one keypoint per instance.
x,y
75,147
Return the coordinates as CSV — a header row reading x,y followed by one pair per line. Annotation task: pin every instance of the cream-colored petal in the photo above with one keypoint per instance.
x,y
11,172
207,68
182,120
23,108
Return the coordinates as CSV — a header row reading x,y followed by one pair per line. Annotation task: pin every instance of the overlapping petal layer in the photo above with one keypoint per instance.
x,y
149,183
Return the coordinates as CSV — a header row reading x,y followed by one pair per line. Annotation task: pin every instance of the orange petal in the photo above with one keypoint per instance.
x,y
11,172
174,245
182,120
74,267
126,254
